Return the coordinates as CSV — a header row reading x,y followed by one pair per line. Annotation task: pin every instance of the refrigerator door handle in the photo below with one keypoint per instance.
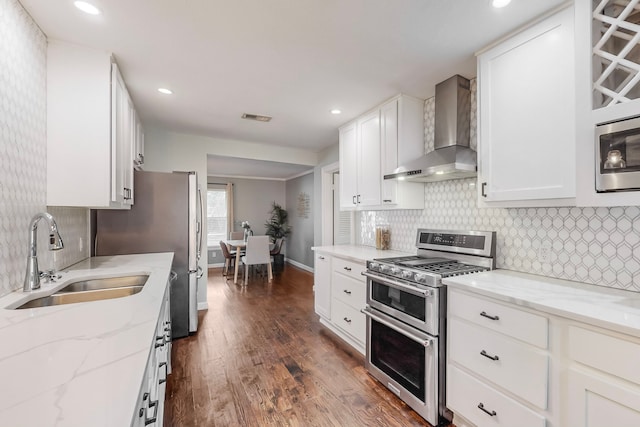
x,y
199,225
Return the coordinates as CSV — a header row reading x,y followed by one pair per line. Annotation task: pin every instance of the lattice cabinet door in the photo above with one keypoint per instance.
x,y
616,52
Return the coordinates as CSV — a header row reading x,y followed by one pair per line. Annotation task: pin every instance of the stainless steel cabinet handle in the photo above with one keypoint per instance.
x,y
354,200
358,198
346,292
387,201
346,319
488,356
484,187
490,413
484,314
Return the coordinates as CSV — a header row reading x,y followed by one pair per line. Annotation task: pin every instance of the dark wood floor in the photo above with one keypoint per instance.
x,y
261,358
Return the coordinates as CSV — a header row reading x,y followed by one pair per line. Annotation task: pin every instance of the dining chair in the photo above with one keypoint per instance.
x,y
229,258
257,253
236,235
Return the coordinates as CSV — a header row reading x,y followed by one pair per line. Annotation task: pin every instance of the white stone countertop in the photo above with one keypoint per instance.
x,y
357,253
608,308
80,364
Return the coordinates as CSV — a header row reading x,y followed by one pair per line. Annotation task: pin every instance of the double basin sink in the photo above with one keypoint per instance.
x,y
91,290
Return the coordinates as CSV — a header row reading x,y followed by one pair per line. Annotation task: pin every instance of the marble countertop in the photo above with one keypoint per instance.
x,y
80,364
357,253
608,308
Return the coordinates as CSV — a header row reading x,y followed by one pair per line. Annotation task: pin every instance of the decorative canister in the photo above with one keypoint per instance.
x,y
383,236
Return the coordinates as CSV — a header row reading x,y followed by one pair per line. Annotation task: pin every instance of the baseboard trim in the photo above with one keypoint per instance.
x,y
218,265
299,265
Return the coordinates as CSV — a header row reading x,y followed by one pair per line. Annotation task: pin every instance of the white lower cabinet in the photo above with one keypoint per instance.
x,y
509,365
603,380
340,289
150,403
484,405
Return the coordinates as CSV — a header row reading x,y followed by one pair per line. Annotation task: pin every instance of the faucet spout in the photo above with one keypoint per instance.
x,y
32,277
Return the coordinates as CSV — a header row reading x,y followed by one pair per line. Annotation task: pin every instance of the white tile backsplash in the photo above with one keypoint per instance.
x,y
23,150
593,245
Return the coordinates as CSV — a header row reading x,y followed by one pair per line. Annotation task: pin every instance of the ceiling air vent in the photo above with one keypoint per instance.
x,y
256,117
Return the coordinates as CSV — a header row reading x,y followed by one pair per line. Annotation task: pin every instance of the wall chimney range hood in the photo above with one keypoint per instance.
x,y
452,157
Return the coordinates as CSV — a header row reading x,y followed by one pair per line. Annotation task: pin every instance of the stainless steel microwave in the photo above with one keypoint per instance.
x,y
618,156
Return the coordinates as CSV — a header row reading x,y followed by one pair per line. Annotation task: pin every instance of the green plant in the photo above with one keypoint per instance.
x,y
277,225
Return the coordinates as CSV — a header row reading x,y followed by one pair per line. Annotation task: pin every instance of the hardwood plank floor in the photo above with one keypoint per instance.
x,y
262,358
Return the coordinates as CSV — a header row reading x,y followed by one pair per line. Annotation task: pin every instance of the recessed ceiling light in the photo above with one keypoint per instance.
x,y
165,91
336,111
87,7
500,3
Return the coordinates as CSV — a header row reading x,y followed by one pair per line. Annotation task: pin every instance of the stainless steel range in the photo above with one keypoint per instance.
x,y
406,315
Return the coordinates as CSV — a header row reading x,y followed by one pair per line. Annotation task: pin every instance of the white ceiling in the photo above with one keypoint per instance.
x,y
291,59
247,168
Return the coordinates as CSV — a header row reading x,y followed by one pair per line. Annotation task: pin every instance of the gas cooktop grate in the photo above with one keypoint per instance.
x,y
451,268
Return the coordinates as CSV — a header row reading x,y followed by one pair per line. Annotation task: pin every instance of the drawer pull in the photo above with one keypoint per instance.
x,y
321,257
488,356
484,314
347,268
346,292
490,413
346,319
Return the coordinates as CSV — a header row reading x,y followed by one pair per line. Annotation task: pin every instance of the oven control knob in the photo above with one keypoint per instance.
x,y
384,268
373,266
407,275
395,271
420,278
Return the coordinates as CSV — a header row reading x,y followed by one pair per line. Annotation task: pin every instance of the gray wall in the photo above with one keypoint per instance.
x,y
300,241
252,199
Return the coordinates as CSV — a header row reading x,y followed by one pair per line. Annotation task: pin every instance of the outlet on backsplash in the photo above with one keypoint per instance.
x,y
545,252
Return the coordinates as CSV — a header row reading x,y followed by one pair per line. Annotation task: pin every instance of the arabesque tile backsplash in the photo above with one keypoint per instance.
x,y
600,246
23,152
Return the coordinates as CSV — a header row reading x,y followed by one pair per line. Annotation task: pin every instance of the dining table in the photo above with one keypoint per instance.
x,y
239,245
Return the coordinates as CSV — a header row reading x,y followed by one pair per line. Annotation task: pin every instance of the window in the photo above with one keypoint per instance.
x,y
216,215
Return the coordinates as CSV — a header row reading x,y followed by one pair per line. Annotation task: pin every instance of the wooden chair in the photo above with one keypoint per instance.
x,y
229,258
257,253
236,235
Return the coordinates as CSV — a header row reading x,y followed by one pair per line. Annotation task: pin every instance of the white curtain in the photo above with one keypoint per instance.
x,y
230,219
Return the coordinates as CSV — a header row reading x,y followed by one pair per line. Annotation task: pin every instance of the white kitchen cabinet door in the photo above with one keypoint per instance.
x,y
401,140
322,286
369,177
348,140
527,114
601,401
89,129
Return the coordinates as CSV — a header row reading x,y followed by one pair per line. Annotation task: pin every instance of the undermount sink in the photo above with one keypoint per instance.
x,y
91,290
108,283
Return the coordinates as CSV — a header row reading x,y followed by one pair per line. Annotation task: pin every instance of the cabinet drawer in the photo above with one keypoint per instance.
x,y
609,354
349,268
465,395
518,367
511,321
349,320
350,291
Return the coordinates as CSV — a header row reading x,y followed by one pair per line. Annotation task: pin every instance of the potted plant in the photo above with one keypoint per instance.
x,y
278,227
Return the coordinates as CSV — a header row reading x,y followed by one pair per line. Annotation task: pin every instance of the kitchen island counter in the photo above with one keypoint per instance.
x,y
80,364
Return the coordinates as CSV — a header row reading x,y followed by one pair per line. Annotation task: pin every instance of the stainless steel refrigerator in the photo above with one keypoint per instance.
x,y
166,217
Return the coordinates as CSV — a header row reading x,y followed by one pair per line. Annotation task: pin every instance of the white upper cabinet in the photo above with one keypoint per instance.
x,y
374,145
402,140
368,160
90,129
526,95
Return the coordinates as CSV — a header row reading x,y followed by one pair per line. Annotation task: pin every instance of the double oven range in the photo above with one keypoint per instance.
x,y
406,315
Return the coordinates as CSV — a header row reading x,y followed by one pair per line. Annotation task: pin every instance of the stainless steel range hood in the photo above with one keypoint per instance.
x,y
452,157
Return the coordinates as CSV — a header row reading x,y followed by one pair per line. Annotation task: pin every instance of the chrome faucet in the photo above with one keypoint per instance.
x,y
32,278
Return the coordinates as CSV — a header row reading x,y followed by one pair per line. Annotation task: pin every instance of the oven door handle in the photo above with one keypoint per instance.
x,y
394,284
419,340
